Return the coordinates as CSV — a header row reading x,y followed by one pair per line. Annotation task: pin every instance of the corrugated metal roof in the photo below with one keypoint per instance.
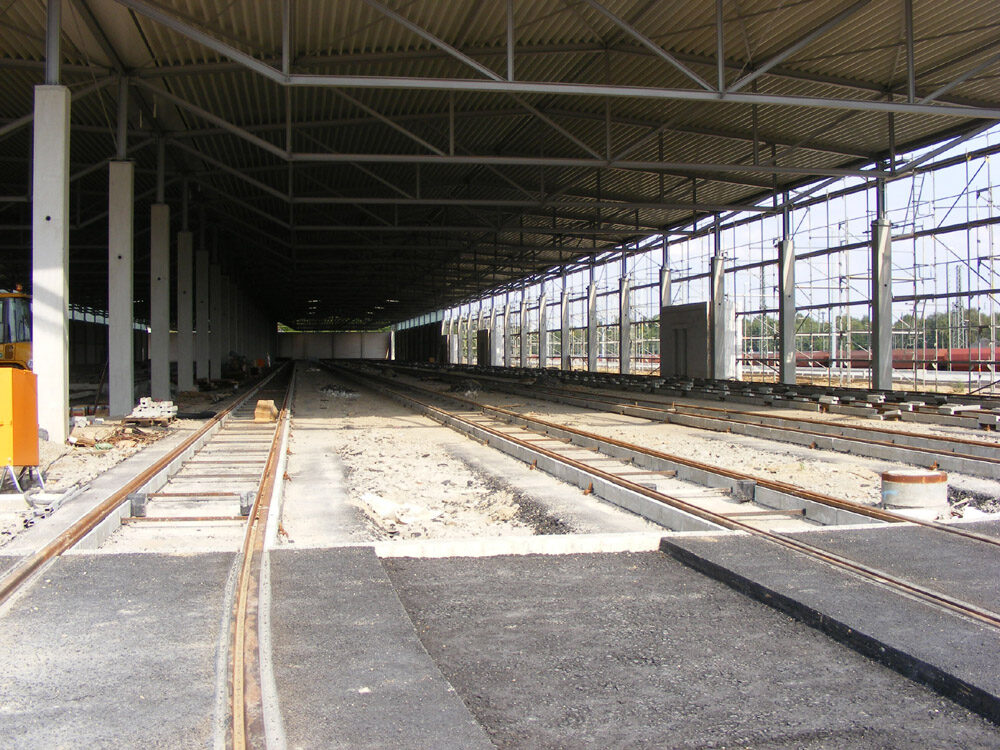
x,y
630,165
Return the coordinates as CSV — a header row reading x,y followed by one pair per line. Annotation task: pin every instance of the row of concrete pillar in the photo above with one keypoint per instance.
x,y
881,286
214,316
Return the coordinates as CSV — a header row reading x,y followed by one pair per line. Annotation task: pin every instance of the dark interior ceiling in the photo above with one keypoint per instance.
x,y
357,162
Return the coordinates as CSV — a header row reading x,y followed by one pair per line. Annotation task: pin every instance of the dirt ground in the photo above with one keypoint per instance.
x,y
844,476
405,474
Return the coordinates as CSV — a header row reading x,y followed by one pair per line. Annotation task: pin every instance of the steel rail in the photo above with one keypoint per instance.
x,y
928,595
242,644
879,514
946,439
664,406
31,564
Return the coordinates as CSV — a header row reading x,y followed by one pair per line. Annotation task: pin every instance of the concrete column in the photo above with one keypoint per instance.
x,y
564,360
185,312
666,295
524,333
467,354
592,327
234,296
215,315
543,330
718,317
50,258
882,305
225,342
786,311
508,340
624,327
202,351
241,336
121,371
159,301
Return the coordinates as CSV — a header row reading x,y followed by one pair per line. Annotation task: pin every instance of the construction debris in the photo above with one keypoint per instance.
x,y
265,411
338,391
150,412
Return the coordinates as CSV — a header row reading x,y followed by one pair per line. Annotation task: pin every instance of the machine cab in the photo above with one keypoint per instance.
x,y
15,330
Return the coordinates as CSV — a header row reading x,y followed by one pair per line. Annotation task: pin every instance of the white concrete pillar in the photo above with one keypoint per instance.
x,y
564,347
233,316
470,339
225,344
524,332
882,304
121,329
159,301
50,258
508,340
201,312
786,311
215,315
592,327
185,312
718,279
543,330
666,294
624,327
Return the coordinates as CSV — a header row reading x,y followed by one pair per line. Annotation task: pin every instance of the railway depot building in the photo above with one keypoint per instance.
x,y
441,374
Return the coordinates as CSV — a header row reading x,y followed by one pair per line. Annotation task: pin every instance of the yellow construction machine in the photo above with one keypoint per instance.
x,y
15,329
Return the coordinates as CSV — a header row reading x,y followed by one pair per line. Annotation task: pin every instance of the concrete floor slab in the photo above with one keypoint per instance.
x,y
635,650
114,651
349,668
958,656
962,568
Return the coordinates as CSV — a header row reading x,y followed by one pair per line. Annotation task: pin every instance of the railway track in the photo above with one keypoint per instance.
x,y
979,458
225,473
492,425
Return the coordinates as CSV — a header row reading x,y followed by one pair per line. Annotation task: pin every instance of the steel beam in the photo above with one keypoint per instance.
x,y
800,44
649,44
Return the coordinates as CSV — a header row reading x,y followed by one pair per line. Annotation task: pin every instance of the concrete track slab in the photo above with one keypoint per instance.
x,y
97,490
349,667
112,652
635,650
958,656
962,568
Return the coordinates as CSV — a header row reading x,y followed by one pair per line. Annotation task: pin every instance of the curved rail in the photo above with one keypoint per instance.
x,y
245,688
